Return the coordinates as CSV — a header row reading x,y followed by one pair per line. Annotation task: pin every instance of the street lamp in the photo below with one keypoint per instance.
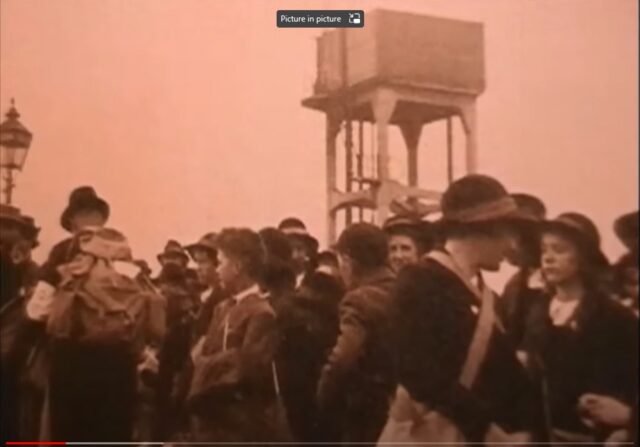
x,y
15,140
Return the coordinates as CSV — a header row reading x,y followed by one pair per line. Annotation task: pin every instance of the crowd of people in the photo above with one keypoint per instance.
x,y
389,336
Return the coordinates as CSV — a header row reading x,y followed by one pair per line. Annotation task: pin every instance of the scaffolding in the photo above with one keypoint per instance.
x,y
402,70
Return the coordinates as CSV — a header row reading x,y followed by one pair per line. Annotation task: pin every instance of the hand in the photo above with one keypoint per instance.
x,y
496,436
605,410
40,304
618,438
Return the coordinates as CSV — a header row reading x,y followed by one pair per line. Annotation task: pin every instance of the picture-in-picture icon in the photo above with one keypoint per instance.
x,y
354,17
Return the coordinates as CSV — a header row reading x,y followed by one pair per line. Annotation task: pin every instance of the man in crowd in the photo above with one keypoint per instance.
x,y
18,236
358,376
85,209
455,366
304,247
233,394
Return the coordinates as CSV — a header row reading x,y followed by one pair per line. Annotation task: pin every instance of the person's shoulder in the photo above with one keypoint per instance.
x,y
61,248
426,276
614,312
259,305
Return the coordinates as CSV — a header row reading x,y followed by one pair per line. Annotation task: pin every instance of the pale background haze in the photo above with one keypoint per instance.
x,y
185,114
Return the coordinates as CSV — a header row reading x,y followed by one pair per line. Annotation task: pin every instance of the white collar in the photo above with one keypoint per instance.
x,y
561,312
299,279
252,290
204,296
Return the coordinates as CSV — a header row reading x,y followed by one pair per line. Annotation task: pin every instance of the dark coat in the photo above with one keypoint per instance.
x,y
92,391
308,323
20,400
435,327
359,372
204,313
173,357
61,253
595,353
515,304
232,394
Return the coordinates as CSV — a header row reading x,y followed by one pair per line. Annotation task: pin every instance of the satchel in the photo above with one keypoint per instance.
x,y
414,423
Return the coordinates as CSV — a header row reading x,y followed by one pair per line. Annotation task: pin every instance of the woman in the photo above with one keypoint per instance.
x,y
409,238
460,380
581,342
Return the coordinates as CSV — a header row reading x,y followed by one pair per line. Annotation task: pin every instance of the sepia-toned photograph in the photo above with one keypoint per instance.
x,y
332,223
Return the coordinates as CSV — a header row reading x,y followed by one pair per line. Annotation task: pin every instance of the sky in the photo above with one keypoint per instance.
x,y
186,114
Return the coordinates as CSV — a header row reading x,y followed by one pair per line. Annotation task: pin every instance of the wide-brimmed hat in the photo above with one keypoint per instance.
x,y
83,198
583,232
173,248
294,228
207,243
476,199
626,228
530,206
25,224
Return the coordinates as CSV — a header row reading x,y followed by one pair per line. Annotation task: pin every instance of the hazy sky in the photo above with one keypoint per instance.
x,y
186,115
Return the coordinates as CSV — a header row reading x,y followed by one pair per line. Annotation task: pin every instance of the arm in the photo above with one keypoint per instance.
x,y
345,353
241,364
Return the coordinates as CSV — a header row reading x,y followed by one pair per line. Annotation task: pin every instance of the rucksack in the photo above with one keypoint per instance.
x,y
98,305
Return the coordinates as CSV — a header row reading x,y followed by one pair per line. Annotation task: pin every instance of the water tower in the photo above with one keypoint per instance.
x,y
401,69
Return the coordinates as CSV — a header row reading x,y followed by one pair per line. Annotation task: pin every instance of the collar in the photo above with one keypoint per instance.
x,y
205,295
253,290
299,279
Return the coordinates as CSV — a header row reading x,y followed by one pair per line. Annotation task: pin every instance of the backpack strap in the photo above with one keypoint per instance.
x,y
479,345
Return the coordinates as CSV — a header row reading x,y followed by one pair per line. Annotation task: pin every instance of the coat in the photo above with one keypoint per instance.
x,y
436,323
596,352
233,394
21,400
308,323
515,304
61,253
358,375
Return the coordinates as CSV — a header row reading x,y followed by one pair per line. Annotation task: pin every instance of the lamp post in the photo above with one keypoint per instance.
x,y
15,140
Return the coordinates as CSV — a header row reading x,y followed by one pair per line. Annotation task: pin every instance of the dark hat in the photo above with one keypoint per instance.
x,y
365,243
411,225
530,206
294,228
400,221
173,248
583,232
208,243
276,244
25,224
83,198
475,199
626,228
